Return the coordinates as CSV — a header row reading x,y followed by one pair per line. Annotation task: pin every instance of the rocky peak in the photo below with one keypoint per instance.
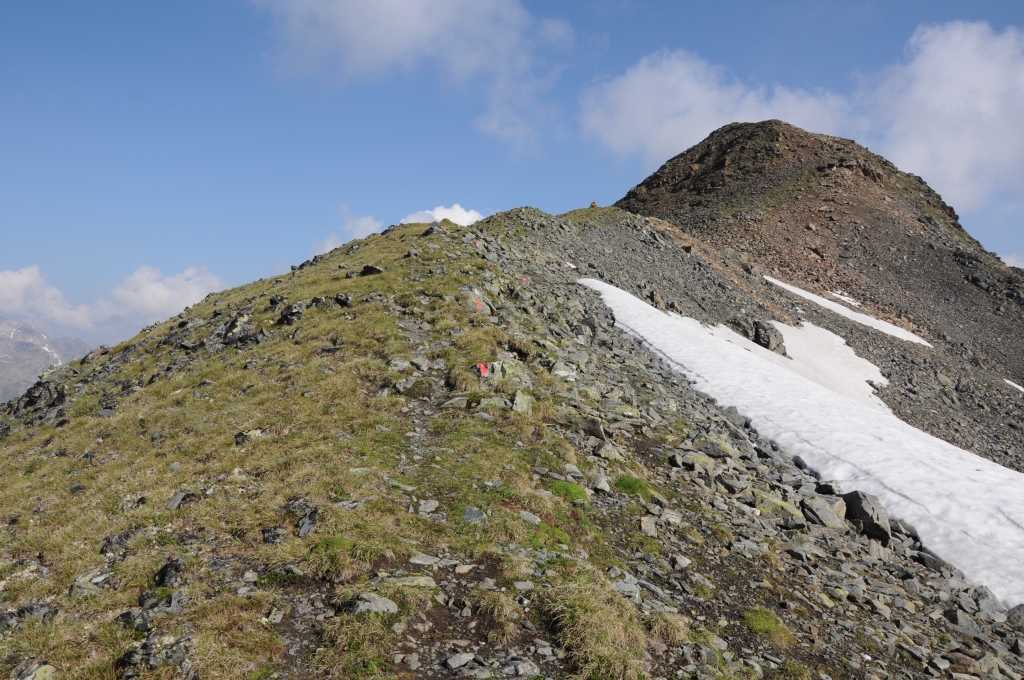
x,y
828,215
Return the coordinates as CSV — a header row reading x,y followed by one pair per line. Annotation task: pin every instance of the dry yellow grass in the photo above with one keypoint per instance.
x,y
599,630
323,415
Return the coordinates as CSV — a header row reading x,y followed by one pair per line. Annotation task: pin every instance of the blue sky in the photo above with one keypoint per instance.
x,y
153,152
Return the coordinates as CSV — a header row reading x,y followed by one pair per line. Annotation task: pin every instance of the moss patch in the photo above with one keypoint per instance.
x,y
569,491
767,625
633,486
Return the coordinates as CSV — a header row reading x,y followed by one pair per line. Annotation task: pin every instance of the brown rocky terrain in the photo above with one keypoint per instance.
x,y
825,214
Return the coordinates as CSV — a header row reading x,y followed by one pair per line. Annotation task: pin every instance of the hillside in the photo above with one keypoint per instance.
x,y
826,214
25,352
430,453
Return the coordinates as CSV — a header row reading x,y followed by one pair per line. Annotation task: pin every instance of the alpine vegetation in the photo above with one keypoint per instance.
x,y
594,445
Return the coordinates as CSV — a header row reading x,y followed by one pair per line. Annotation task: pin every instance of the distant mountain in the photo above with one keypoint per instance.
x,y
25,352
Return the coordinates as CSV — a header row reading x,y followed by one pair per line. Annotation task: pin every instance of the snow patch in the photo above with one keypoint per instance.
x,y
840,295
858,317
822,357
1013,384
968,510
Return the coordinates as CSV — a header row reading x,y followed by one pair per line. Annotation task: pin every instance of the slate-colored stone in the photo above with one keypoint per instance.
x,y
868,515
817,510
34,670
473,515
368,603
1015,617
171,575
274,535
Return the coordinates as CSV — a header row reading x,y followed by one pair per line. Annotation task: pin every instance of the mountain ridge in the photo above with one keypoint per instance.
x,y
828,215
432,453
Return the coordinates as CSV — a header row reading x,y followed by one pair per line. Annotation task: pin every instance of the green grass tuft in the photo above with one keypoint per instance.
x,y
790,670
569,491
633,486
767,625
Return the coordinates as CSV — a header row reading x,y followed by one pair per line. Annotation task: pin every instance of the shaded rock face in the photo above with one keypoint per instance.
x,y
868,515
761,332
826,214
43,402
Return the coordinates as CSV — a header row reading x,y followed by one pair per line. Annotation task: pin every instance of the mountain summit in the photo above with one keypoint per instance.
x,y
826,214
596,445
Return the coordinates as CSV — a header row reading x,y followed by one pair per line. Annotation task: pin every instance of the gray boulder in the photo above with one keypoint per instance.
x,y
905,528
171,575
818,511
372,604
292,314
136,619
608,451
274,535
868,515
83,589
473,515
987,600
601,483
458,660
769,337
34,670
829,488
1015,617
40,611
158,651
933,562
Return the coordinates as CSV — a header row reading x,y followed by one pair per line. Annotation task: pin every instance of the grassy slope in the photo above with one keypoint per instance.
x,y
303,401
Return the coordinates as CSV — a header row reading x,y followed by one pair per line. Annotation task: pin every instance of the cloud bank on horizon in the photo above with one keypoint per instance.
x,y
141,298
949,110
354,227
456,214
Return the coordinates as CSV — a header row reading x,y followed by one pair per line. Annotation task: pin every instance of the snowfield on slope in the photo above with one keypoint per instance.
x,y
839,295
858,317
819,355
968,510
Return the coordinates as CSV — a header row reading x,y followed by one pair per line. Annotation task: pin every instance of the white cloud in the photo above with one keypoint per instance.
x,y
949,110
147,295
498,41
1014,260
25,294
352,227
456,214
670,101
141,298
354,38
328,244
